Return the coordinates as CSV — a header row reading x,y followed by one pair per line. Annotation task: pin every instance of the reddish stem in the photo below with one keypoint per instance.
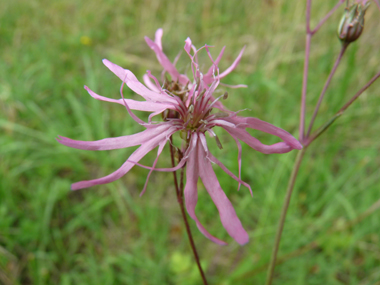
x,y
284,211
309,35
373,79
179,192
305,73
328,81
317,27
319,131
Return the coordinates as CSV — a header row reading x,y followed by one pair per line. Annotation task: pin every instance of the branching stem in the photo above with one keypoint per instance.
x,y
328,81
306,140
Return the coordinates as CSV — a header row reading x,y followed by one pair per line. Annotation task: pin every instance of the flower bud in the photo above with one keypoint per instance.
x,y
352,23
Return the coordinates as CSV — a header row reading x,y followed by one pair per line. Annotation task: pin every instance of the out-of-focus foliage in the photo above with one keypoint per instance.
x,y
108,234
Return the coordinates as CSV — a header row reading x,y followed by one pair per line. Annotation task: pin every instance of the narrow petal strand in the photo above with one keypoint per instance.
x,y
160,148
117,142
147,106
208,77
158,37
233,65
149,83
188,46
226,170
163,60
254,143
260,125
191,195
132,82
227,213
238,144
135,156
171,169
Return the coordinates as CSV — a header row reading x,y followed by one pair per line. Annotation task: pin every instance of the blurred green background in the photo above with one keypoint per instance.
x,y
108,234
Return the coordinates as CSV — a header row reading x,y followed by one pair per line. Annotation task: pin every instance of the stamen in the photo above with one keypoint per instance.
x,y
221,115
201,94
218,143
212,134
224,96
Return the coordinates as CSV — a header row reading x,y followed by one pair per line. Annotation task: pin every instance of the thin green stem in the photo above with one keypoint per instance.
x,y
179,192
284,210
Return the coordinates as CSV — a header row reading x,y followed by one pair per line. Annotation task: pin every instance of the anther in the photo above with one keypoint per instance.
x,y
212,134
201,95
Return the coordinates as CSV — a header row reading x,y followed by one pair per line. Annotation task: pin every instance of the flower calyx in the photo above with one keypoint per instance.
x,y
352,23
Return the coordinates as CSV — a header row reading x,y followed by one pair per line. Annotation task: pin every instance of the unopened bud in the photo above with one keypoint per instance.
x,y
352,23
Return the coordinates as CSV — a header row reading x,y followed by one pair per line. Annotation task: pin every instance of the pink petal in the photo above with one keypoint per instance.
x,y
160,148
188,46
157,38
254,143
202,139
171,169
135,156
223,123
147,106
239,159
191,194
233,65
260,125
187,153
149,83
226,170
165,62
209,76
118,142
130,79
133,116
227,213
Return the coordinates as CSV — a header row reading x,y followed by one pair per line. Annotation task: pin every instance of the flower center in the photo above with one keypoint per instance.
x,y
177,89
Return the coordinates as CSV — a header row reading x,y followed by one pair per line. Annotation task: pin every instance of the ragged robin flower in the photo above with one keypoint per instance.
x,y
190,109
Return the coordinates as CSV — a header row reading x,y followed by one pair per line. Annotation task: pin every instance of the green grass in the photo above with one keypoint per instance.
x,y
108,234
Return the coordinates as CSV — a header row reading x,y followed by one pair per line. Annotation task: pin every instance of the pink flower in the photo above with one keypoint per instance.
x,y
169,67
191,110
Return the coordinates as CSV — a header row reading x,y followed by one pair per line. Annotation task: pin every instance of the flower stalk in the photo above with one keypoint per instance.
x,y
284,211
349,30
328,81
179,193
